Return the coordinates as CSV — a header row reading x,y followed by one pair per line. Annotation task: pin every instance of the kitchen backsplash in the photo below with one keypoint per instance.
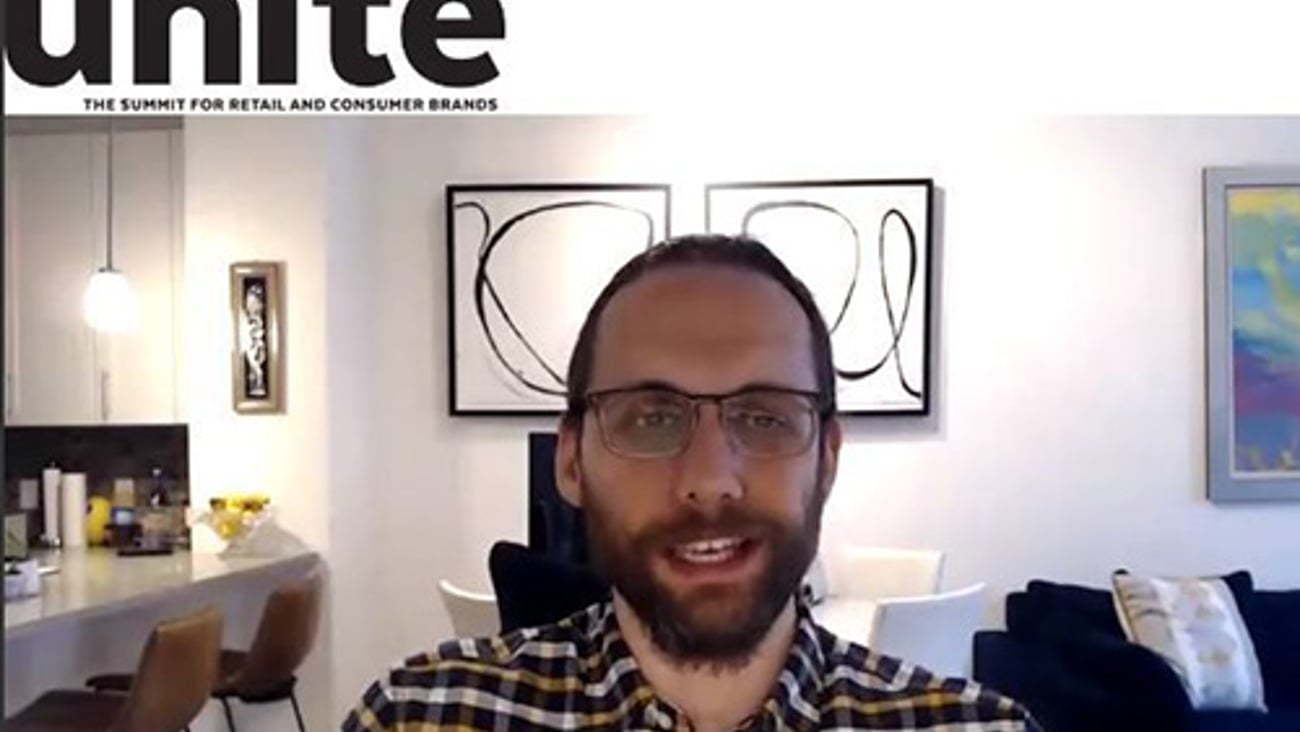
x,y
104,454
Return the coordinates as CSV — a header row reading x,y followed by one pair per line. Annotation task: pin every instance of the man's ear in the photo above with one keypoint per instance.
x,y
831,454
568,462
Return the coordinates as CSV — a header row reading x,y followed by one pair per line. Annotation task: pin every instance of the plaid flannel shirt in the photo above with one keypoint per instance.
x,y
579,674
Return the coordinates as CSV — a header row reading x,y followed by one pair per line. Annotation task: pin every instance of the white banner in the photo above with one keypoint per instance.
x,y
617,56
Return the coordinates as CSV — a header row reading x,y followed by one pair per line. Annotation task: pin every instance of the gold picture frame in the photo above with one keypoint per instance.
x,y
257,355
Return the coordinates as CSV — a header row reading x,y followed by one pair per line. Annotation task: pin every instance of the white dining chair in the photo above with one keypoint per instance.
x,y
815,585
473,614
878,573
849,618
935,632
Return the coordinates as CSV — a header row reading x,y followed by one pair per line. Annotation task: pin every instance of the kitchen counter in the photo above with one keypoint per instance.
x,y
95,582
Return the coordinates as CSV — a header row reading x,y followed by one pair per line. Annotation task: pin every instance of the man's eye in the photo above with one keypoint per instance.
x,y
762,420
659,418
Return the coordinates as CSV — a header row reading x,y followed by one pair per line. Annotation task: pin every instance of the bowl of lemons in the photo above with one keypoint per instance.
x,y
235,514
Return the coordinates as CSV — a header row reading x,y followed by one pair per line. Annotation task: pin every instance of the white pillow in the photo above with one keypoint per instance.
x,y
1195,625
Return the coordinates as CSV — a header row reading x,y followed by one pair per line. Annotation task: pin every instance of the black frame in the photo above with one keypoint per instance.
x,y
927,277
450,193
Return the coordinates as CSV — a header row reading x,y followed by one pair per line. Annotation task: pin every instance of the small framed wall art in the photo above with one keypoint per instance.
x,y
256,309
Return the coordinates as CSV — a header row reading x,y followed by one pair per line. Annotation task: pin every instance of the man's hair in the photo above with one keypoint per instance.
x,y
736,252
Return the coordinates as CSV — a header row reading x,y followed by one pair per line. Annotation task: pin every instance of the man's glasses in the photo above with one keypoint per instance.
x,y
658,422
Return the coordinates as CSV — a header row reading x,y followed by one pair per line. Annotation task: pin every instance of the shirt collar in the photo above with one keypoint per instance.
x,y
792,704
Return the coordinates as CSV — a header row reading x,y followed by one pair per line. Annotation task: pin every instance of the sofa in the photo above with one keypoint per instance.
x,y
1064,656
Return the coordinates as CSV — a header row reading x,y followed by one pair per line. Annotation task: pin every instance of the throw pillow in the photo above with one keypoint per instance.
x,y
1196,626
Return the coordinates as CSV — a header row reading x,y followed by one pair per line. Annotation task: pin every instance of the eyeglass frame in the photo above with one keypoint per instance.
x,y
821,411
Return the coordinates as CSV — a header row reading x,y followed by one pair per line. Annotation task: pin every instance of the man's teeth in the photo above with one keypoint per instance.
x,y
712,550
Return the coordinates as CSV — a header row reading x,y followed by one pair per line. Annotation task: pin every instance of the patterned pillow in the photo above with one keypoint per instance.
x,y
1195,625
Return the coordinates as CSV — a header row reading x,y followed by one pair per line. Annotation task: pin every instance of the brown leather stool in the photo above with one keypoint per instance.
x,y
172,683
265,672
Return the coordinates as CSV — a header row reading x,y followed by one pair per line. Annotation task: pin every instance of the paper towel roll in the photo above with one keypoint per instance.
x,y
74,510
50,491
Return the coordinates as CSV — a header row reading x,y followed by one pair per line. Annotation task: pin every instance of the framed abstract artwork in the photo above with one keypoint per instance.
x,y
525,262
1252,258
863,247
257,360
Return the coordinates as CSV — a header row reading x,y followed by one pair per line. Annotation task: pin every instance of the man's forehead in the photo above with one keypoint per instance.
x,y
703,322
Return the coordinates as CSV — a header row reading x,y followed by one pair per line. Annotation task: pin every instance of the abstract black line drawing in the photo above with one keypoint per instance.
x,y
863,248
524,264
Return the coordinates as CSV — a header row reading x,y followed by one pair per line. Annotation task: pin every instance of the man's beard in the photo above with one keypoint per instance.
x,y
683,628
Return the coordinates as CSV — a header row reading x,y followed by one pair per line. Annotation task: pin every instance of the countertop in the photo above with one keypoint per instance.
x,y
94,582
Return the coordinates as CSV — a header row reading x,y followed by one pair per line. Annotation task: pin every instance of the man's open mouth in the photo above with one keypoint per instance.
x,y
713,551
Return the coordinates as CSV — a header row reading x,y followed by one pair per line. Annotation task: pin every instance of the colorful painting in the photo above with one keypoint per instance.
x,y
1253,234
1264,228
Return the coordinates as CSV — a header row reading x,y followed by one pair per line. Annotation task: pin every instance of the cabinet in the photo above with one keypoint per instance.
x,y
57,370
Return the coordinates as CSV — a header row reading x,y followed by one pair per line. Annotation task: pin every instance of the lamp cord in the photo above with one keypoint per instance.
x,y
109,215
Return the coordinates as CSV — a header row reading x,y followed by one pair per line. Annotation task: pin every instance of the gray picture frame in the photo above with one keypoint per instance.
x,y
1227,481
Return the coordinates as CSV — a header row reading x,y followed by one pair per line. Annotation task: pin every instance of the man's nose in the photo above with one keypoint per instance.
x,y
708,471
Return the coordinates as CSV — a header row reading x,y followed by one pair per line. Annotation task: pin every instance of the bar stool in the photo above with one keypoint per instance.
x,y
265,672
172,683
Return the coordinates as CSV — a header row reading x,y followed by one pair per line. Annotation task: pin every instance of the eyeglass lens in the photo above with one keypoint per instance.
x,y
659,422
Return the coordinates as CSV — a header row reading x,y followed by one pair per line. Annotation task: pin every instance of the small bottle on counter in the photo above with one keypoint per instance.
x,y
157,490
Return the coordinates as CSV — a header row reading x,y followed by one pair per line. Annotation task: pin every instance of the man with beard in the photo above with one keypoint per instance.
x,y
701,441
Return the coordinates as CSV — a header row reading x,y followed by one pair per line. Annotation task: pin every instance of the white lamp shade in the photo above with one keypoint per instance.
x,y
109,304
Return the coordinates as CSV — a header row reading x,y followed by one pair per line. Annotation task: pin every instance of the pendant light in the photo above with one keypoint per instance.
x,y
109,305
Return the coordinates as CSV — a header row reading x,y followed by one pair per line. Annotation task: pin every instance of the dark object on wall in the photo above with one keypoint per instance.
x,y
533,589
555,528
524,264
864,249
1065,657
257,360
102,452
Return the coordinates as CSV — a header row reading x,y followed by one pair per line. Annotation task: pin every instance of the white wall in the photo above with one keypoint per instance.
x,y
257,191
1068,439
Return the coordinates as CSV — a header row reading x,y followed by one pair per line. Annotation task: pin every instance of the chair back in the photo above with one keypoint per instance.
x,y
935,632
534,589
177,671
815,585
285,635
878,573
473,614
